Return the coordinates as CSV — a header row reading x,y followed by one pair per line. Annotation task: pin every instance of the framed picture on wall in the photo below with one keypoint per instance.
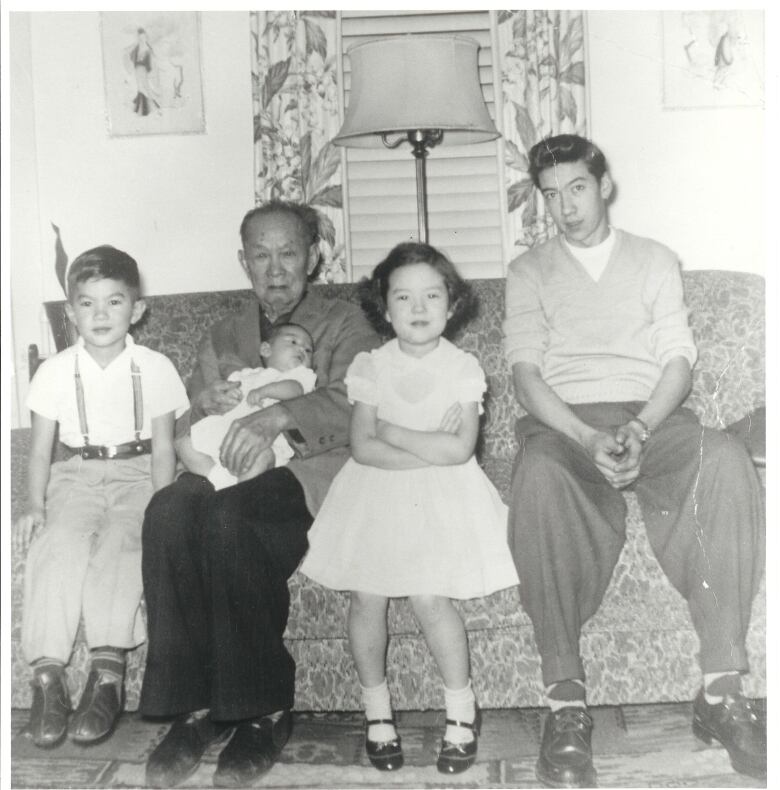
x,y
713,59
152,72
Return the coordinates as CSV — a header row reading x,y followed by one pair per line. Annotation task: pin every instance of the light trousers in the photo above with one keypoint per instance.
x,y
87,560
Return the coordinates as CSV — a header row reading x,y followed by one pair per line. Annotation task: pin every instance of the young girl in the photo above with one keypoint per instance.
x,y
411,513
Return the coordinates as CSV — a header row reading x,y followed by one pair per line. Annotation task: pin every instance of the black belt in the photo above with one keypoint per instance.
x,y
115,452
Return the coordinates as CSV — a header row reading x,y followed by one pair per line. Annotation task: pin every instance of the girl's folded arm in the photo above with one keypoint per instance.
x,y
440,448
367,448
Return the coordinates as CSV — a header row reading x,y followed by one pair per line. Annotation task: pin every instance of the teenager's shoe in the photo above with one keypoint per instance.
x,y
98,710
454,758
735,724
254,748
178,754
384,755
50,709
565,756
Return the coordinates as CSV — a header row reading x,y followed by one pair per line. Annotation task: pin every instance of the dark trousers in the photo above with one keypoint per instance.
x,y
215,570
702,505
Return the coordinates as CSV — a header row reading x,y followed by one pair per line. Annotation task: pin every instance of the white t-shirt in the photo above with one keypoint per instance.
x,y
108,393
594,259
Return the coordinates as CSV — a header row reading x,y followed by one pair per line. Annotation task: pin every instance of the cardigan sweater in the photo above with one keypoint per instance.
x,y
598,341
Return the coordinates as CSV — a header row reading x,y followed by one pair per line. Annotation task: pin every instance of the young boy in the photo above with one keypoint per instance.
x,y
115,404
287,374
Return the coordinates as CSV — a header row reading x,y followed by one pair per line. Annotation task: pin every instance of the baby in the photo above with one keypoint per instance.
x,y
287,374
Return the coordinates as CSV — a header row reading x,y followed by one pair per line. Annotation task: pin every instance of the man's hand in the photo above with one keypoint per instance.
x,y
248,436
26,527
617,460
218,398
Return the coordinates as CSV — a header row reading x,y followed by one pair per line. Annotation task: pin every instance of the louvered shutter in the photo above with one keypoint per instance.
x,y
464,206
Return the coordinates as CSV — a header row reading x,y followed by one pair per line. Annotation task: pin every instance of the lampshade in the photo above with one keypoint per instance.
x,y
415,82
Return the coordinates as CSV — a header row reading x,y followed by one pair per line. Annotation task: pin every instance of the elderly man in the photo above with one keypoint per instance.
x,y
601,352
216,563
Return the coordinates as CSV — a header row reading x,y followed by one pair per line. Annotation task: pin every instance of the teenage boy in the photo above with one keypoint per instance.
x,y
597,336
115,404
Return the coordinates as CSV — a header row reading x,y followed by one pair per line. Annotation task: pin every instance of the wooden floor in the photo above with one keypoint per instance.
x,y
634,746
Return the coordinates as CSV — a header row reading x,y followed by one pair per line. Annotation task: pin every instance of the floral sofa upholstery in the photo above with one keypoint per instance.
x,y
640,646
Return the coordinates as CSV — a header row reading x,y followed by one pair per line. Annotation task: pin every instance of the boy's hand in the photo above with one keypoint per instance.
x,y
219,397
26,527
256,397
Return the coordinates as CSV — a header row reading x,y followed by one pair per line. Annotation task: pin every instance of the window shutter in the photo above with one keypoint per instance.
x,y
463,182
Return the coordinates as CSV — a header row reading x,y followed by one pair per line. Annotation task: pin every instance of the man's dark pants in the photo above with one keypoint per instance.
x,y
702,505
215,570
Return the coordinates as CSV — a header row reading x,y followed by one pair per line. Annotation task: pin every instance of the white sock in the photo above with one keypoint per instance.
x,y
711,677
556,704
376,701
461,705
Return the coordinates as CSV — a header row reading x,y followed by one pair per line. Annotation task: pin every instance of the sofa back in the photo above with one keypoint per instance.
x,y
727,318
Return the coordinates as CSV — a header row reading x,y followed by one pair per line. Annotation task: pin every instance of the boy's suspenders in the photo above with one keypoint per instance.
x,y
126,450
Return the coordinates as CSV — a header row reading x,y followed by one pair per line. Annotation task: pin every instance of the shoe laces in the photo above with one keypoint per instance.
x,y
740,709
571,719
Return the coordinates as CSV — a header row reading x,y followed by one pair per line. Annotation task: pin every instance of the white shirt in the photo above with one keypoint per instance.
x,y
594,259
108,393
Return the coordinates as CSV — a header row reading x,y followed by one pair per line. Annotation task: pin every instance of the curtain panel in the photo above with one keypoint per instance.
x,y
296,91
542,66
295,98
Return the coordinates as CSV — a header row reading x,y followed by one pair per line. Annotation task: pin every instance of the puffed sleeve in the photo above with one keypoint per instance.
x,y
361,380
470,384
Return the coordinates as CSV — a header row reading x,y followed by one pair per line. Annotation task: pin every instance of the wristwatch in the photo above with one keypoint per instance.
x,y
646,432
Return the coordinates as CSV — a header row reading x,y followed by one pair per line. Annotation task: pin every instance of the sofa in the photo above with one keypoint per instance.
x,y
640,646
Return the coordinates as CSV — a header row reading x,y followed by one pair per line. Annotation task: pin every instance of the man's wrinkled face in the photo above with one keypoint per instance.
x,y
278,260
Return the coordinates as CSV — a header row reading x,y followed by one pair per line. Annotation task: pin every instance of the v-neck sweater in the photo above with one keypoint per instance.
x,y
604,340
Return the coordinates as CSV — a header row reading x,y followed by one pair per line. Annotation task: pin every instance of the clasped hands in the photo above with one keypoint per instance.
x,y
248,436
616,455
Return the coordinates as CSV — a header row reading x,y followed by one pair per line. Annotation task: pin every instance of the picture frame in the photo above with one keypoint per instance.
x,y
152,72
713,59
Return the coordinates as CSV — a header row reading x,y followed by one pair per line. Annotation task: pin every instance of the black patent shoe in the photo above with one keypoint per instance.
x,y
384,755
565,756
736,725
178,754
97,712
252,751
50,709
455,758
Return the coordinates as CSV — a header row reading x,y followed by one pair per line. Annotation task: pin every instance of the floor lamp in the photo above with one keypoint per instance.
x,y
419,88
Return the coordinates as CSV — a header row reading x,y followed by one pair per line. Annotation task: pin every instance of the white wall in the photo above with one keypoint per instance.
x,y
174,202
693,179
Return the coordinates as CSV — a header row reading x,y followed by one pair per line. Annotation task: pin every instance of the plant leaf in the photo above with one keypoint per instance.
x,y
315,39
574,74
568,106
305,147
515,158
525,126
324,166
323,14
518,193
330,196
327,228
274,80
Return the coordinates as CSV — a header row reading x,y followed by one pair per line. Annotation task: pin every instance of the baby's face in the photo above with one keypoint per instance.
x,y
291,346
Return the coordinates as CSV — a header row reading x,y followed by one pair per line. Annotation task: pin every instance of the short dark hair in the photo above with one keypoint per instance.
x,y
277,328
104,263
565,148
305,214
373,290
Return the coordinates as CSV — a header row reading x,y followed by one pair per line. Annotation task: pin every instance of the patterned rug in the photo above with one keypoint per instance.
x,y
634,746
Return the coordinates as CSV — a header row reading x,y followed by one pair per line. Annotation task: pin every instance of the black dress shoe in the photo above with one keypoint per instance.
x,y
454,758
384,755
178,754
98,711
252,750
736,725
565,757
50,709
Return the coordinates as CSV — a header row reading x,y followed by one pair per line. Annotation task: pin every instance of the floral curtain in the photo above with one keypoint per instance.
x,y
543,92
295,107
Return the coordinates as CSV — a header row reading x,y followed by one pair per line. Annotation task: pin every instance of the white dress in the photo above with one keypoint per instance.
x,y
436,530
